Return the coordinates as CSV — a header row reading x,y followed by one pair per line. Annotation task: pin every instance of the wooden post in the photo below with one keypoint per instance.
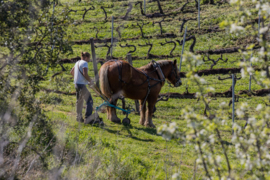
x,y
94,60
136,101
129,59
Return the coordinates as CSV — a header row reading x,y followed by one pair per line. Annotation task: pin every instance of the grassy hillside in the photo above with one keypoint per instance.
x,y
136,152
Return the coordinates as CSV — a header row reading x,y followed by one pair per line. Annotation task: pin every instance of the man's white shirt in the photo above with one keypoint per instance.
x,y
78,77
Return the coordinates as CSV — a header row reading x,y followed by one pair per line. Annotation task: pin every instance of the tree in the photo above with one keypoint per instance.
x,y
31,37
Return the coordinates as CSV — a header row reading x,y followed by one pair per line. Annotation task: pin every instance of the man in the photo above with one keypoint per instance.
x,y
81,78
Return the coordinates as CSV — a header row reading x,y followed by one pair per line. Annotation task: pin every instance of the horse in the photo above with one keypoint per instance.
x,y
118,77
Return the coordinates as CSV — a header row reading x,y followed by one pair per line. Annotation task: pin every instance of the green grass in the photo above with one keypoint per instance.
x,y
148,155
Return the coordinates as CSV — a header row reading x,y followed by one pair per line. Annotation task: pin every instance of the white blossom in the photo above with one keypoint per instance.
x,y
250,70
233,1
176,176
235,28
261,52
266,8
263,30
223,104
203,81
259,107
243,73
254,59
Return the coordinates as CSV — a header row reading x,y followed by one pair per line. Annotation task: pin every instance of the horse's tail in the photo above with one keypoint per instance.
x,y
104,82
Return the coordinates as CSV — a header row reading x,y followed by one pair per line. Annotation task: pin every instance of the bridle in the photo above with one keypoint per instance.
x,y
178,80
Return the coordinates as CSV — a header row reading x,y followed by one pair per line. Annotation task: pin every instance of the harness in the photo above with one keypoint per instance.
x,y
157,69
119,69
178,81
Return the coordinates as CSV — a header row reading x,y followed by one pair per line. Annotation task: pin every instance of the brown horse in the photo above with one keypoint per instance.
x,y
144,84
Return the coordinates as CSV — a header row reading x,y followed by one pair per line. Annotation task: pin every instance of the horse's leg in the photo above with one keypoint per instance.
x,y
114,117
151,104
111,114
142,112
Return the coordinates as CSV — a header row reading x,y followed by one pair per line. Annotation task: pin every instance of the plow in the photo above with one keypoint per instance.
x,y
106,103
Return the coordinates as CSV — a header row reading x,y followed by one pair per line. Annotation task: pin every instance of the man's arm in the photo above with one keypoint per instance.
x,y
72,72
85,74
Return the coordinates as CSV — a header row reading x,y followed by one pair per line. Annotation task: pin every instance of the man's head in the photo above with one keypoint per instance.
x,y
85,56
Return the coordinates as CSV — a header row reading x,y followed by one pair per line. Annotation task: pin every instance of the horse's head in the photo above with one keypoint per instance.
x,y
174,76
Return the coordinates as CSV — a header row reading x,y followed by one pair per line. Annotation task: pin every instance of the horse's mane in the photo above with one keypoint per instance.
x,y
161,63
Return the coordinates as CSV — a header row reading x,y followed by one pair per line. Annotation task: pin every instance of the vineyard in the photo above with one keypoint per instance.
x,y
215,90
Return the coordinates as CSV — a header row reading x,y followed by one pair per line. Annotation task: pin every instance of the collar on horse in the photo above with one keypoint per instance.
x,y
159,72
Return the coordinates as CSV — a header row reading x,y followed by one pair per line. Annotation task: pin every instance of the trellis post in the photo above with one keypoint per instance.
x,y
249,88
233,99
259,22
199,13
136,101
144,4
183,47
112,40
94,61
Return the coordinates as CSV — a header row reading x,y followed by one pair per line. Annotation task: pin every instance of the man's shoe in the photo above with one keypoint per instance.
x,y
93,119
80,120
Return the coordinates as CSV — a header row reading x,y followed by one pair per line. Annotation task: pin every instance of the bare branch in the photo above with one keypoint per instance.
x,y
160,26
150,48
167,42
86,10
191,48
141,27
128,11
214,61
127,45
140,2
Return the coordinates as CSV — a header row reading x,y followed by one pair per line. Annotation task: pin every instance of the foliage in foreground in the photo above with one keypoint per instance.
x,y
29,42
250,143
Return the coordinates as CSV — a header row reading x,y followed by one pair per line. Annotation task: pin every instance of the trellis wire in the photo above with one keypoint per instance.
x,y
112,39
233,100
183,47
199,13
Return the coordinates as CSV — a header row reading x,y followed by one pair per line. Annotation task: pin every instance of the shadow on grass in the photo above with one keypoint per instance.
x,y
127,128
151,131
130,135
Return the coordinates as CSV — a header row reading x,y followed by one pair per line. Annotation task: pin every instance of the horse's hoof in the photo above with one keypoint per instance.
x,y
141,122
117,121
